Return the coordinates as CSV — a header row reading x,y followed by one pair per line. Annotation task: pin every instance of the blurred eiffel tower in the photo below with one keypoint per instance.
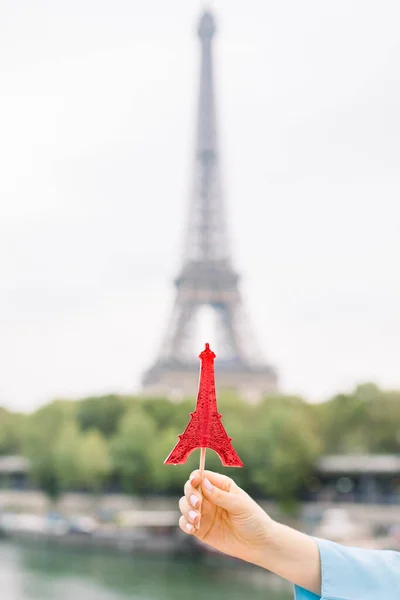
x,y
207,277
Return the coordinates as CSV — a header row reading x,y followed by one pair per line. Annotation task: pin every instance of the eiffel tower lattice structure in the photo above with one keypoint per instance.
x,y
207,277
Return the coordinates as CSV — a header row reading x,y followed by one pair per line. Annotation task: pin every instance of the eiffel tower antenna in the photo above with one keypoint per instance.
x,y
207,277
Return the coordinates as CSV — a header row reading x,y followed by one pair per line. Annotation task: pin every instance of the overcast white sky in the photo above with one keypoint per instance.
x,y
97,120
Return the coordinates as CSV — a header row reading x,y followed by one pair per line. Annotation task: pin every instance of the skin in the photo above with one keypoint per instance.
x,y
224,516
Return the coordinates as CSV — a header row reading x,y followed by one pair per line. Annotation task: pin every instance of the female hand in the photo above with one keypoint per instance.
x,y
223,516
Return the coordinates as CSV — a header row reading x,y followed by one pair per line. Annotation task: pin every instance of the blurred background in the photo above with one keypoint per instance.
x,y
126,127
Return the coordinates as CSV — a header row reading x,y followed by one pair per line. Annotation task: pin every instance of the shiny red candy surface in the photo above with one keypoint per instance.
x,y
205,429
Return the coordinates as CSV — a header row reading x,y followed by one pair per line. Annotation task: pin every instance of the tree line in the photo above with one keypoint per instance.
x,y
119,443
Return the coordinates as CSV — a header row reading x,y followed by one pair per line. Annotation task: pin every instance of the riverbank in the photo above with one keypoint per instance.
x,y
36,502
149,526
135,542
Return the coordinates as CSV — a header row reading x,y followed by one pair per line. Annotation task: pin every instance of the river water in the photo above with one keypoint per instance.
x,y
32,573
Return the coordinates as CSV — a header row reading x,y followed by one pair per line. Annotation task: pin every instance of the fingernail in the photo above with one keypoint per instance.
x,y
193,475
207,484
193,514
194,500
189,527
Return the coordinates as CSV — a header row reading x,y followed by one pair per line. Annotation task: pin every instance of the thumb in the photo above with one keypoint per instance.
x,y
229,500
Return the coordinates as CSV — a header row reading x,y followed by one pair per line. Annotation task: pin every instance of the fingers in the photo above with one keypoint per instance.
x,y
193,496
185,526
219,489
191,515
230,501
216,479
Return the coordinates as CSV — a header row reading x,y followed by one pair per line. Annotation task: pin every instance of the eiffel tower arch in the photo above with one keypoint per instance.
x,y
207,277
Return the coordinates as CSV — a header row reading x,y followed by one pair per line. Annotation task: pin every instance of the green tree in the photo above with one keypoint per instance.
x,y
343,424
40,441
94,460
67,456
102,413
163,412
279,440
132,451
169,478
366,421
11,431
280,451
383,423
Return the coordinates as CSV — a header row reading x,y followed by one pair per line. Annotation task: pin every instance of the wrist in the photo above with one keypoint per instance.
x,y
269,541
291,555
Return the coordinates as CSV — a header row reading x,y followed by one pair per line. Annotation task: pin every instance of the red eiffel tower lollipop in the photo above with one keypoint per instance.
x,y
205,429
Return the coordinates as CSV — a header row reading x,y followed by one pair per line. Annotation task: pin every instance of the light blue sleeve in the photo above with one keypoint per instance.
x,y
355,574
